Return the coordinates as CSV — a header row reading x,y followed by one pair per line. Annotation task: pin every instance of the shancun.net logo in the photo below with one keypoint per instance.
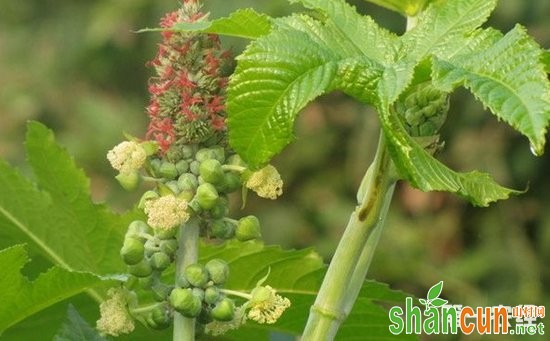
x,y
438,317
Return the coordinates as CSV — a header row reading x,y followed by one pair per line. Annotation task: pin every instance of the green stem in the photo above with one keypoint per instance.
x,y
188,251
347,270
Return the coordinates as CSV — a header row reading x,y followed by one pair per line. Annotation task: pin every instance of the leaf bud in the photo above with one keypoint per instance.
x,y
185,302
206,196
248,228
224,310
196,274
218,270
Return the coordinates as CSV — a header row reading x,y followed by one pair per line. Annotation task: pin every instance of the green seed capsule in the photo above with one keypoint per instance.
x,y
161,318
216,153
169,247
231,182
182,167
194,167
211,171
211,295
141,269
248,228
166,234
149,195
154,165
132,251
160,261
199,293
206,196
220,209
128,181
188,182
185,302
222,229
145,282
224,310
173,185
196,275
168,170
138,229
218,270
161,291
236,160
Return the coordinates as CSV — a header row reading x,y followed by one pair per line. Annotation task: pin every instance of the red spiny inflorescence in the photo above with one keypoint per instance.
x,y
188,93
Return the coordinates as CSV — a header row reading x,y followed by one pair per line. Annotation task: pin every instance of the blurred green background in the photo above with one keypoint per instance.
x,y
78,67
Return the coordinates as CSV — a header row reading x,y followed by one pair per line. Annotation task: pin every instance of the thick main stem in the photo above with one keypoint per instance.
x,y
188,252
348,267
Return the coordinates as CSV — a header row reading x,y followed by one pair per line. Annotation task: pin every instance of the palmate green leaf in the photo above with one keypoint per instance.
x,y
55,215
77,329
405,7
243,23
442,27
424,172
301,59
22,298
508,78
298,276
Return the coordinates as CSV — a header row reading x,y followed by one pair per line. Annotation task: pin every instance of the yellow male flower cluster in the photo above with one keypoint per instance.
x,y
166,212
115,318
127,157
266,182
266,306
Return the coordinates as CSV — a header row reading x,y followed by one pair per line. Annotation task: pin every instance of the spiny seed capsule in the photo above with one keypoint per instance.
x,y
168,170
218,270
211,171
185,302
160,261
248,228
224,310
141,269
132,251
196,274
206,196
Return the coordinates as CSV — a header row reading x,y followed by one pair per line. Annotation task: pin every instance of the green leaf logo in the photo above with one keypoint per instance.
x,y
433,299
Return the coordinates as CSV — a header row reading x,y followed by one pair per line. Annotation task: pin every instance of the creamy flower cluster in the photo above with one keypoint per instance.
x,y
166,212
266,182
266,306
127,156
115,318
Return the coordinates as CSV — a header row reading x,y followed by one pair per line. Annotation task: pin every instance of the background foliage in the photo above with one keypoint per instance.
x,y
77,67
